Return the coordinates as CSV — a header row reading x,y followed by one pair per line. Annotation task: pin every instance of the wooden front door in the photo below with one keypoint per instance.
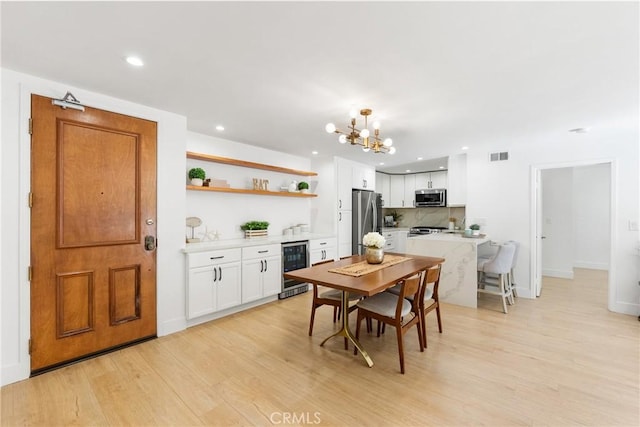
x,y
93,228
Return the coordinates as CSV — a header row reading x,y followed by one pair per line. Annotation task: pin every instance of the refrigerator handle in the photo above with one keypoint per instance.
x,y
375,214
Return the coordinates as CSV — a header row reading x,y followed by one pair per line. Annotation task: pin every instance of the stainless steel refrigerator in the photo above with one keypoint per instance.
x,y
367,217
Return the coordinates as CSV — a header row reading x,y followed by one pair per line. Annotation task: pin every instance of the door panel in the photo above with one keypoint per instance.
x,y
93,185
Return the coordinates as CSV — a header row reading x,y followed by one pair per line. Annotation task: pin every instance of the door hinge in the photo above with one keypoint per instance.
x,y
30,199
30,273
30,345
30,126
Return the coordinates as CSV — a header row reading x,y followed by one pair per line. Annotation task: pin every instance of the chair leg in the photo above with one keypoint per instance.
x,y
503,292
439,318
358,320
313,315
336,313
420,333
423,328
400,348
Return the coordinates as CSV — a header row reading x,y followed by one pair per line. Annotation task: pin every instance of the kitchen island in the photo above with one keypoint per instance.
x,y
458,279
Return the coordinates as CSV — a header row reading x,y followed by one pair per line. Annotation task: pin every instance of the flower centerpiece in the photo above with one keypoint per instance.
x,y
374,247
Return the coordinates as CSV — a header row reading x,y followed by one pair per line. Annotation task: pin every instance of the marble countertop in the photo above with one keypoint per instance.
x,y
395,229
243,243
453,237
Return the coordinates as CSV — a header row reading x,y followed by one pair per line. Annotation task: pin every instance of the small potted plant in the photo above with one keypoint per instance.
x,y
303,187
197,176
396,217
475,229
255,229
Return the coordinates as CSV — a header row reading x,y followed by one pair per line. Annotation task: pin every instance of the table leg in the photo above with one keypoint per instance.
x,y
346,332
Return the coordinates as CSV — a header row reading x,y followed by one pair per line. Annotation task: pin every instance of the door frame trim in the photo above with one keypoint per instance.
x,y
535,215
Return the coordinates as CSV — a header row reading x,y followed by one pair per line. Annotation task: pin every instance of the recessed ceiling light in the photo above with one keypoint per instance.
x,y
441,167
381,163
135,61
465,148
314,152
419,158
220,127
579,130
408,170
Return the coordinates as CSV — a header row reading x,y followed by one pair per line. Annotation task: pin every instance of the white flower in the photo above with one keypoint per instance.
x,y
373,240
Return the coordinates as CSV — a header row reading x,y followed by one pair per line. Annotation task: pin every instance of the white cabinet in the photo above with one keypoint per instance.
x,y
396,191
383,187
436,179
345,176
363,177
457,180
409,199
344,233
321,250
213,281
389,240
261,272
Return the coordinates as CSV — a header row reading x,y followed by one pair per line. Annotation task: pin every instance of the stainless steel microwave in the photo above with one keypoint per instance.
x,y
431,197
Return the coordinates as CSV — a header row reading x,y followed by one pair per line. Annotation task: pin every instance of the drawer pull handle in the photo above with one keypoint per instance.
x,y
263,252
323,243
217,257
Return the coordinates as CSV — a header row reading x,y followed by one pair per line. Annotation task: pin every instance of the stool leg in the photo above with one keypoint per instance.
x,y
502,292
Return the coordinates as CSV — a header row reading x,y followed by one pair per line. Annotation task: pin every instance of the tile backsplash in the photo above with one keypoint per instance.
x,y
429,217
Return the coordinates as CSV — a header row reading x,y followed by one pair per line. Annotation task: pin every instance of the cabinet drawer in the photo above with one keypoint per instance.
x,y
322,243
202,259
265,251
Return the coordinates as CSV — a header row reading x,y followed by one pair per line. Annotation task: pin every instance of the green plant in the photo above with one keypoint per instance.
x,y
255,225
303,185
396,216
474,227
196,173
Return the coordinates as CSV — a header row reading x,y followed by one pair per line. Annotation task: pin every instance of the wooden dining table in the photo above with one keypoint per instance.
x,y
368,284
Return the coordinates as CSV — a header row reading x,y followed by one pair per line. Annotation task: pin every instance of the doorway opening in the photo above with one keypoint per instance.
x,y
573,215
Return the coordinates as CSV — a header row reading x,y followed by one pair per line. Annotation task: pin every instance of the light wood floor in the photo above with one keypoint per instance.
x,y
562,359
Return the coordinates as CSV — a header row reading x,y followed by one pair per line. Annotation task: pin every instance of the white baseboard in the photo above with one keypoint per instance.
x,y
168,327
591,265
562,274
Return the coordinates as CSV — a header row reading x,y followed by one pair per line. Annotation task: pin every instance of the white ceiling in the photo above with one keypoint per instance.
x,y
438,75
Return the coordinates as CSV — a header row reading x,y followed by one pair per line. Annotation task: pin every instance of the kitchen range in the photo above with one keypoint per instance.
x,y
422,230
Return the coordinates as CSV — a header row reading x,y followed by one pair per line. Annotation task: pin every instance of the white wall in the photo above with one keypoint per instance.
x,y
226,212
592,234
501,193
15,225
557,222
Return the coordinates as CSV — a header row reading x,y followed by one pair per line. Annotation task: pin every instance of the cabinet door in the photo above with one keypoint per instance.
x,y
423,180
200,292
439,179
330,253
401,241
409,191
344,184
251,278
396,191
272,276
382,187
228,287
344,233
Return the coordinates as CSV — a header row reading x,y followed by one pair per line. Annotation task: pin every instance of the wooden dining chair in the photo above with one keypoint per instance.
x,y
429,300
331,298
394,310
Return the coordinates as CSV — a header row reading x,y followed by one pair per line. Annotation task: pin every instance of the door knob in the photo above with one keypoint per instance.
x,y
149,243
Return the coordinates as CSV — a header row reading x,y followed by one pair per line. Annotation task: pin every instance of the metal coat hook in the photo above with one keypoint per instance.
x,y
69,101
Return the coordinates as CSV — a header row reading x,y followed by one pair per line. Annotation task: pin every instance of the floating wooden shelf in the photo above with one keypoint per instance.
x,y
236,162
243,191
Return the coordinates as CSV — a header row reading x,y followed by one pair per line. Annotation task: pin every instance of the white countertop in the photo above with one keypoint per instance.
x,y
453,237
243,243
387,229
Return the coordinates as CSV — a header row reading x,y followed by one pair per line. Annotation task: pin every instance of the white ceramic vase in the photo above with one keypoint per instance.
x,y
197,182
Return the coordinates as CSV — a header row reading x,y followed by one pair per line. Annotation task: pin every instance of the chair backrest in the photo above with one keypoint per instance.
x,y
515,254
431,276
411,289
501,261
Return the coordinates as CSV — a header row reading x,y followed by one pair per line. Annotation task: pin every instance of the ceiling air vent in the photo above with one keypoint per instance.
x,y
496,157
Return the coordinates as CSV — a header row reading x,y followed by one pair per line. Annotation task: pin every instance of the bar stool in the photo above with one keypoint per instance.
x,y
499,265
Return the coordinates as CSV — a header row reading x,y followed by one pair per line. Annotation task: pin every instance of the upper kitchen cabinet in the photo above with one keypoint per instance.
x,y
410,186
383,187
396,191
457,181
435,179
363,177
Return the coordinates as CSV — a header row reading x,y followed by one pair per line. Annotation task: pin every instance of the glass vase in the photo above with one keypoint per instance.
x,y
374,255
